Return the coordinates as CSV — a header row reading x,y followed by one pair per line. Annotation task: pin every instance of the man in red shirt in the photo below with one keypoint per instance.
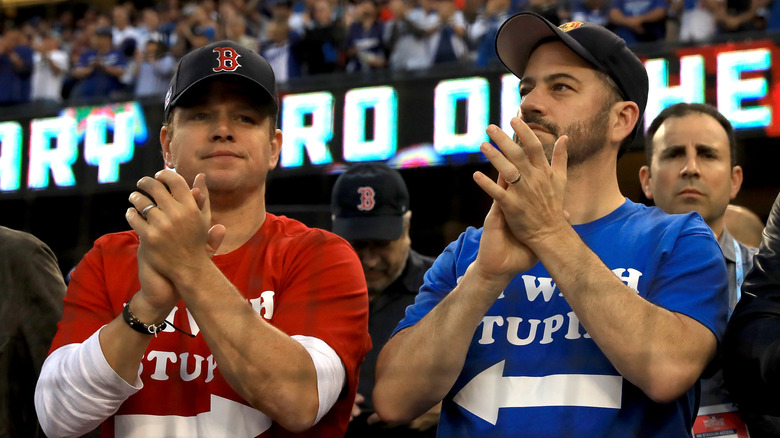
x,y
212,317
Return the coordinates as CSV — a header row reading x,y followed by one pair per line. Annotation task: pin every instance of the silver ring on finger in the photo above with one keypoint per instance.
x,y
146,209
514,181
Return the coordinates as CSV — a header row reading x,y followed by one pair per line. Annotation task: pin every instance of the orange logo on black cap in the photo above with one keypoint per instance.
x,y
570,25
228,59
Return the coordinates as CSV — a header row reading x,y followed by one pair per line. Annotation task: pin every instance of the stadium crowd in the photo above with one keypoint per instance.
x,y
132,51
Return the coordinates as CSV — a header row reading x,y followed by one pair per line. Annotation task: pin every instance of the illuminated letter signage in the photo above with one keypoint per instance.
x,y
54,145
108,156
691,88
474,93
10,156
307,123
510,101
57,158
733,91
383,103
428,119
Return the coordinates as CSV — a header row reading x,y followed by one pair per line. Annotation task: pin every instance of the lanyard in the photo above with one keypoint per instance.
x,y
740,276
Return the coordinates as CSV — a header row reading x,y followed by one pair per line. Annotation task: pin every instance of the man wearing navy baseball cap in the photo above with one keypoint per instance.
x,y
573,311
370,209
370,201
211,317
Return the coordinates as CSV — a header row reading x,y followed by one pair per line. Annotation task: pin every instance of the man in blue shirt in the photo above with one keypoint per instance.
x,y
573,311
639,20
16,66
99,70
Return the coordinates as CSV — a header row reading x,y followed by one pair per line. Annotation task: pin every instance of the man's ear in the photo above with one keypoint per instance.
x,y
626,117
276,148
736,181
166,135
644,180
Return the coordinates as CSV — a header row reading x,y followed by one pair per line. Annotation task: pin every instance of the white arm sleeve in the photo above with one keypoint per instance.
x,y
77,389
330,372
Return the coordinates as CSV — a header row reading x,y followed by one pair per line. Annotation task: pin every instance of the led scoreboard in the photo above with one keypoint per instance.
x,y
425,120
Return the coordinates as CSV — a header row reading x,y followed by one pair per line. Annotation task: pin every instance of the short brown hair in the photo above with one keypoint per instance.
x,y
683,109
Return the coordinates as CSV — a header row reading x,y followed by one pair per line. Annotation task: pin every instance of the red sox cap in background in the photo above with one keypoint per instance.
x,y
368,202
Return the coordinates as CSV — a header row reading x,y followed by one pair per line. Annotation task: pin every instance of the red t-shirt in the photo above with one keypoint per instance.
x,y
303,281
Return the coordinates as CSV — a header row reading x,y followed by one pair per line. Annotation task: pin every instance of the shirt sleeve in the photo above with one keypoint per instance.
x,y
692,278
88,304
752,344
60,59
83,60
164,66
38,285
324,296
78,390
620,5
26,54
442,277
330,372
657,4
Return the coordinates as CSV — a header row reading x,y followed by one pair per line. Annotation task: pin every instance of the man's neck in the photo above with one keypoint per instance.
x,y
592,189
717,227
241,218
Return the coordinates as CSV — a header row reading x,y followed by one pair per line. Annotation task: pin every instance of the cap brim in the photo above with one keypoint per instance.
x,y
519,36
222,76
369,228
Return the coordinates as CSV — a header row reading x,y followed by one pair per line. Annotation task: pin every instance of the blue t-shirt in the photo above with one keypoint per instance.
x,y
532,370
99,83
16,82
367,41
582,12
631,8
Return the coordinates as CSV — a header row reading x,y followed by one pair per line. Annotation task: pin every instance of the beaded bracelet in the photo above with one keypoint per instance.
x,y
147,329
140,327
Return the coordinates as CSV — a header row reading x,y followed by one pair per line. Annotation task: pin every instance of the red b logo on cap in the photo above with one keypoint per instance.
x,y
367,200
228,59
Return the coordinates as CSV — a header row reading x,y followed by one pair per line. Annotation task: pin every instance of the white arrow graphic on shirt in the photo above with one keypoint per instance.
x,y
226,418
489,391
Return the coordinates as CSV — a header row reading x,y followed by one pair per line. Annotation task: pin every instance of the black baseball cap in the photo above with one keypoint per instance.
x,y
521,34
222,59
368,203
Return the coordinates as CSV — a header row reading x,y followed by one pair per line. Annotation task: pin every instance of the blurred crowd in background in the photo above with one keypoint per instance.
x,y
131,51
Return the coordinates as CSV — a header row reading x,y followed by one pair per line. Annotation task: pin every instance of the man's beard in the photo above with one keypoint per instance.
x,y
586,137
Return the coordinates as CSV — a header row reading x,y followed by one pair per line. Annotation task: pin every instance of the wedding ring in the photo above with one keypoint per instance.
x,y
146,209
514,181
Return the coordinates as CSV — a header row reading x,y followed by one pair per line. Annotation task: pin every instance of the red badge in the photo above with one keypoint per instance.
x,y
719,421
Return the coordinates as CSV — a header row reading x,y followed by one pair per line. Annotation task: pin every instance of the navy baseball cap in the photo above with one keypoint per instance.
x,y
521,34
222,59
368,203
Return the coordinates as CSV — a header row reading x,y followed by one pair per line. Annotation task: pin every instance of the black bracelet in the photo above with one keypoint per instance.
x,y
137,325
